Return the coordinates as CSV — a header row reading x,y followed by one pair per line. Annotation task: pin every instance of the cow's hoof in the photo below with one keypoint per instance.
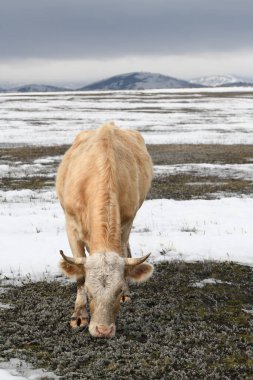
x,y
125,298
78,322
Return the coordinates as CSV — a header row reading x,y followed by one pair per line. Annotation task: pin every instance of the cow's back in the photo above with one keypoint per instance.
x,y
108,157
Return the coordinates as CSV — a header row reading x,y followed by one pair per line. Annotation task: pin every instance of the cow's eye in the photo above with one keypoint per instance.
x,y
89,296
119,292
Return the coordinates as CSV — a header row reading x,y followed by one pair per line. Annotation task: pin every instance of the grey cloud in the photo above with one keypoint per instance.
x,y
111,28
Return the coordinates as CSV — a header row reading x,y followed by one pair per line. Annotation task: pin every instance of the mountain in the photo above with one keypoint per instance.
x,y
222,81
37,88
138,81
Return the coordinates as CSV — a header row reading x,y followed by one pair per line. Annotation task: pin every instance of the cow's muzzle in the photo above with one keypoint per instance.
x,y
103,331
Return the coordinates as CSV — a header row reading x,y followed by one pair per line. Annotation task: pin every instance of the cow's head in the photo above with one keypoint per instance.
x,y
106,277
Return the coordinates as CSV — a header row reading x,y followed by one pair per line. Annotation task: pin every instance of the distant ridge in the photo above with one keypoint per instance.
x,y
239,84
227,80
138,81
37,88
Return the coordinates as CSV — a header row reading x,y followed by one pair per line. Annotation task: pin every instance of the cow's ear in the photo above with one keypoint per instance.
x,y
139,273
72,270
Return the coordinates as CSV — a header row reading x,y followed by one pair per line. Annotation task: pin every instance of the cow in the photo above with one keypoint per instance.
x,y
101,183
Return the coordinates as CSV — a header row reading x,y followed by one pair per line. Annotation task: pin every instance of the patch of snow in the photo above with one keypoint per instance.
x,y
209,281
248,311
16,369
237,171
216,230
33,231
5,375
5,306
47,160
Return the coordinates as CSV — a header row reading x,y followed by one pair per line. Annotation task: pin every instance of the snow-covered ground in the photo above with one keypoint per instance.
x,y
32,223
236,171
47,167
218,115
32,231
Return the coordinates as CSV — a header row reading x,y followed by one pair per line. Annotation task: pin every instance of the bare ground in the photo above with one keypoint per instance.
x,y
171,329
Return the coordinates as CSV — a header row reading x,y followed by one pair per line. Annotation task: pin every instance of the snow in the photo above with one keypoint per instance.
x,y
216,80
33,232
162,116
4,375
195,230
236,171
16,369
209,281
46,167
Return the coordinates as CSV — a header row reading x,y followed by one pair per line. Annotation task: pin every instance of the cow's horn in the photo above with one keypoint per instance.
x,y
136,261
72,260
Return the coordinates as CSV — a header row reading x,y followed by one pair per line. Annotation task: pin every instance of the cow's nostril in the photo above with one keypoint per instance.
x,y
104,330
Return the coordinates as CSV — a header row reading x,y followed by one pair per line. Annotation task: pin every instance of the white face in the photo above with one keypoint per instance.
x,y
106,277
104,282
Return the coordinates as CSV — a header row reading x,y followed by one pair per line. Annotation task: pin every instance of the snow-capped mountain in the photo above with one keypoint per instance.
x,y
135,81
37,88
138,81
221,81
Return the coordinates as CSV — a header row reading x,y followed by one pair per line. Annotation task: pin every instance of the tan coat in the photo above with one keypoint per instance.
x,y
101,183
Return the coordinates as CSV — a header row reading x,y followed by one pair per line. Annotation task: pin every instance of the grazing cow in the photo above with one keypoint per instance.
x,y
101,183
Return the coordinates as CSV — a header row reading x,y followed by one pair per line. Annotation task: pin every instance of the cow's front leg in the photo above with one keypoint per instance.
x,y
126,292
80,316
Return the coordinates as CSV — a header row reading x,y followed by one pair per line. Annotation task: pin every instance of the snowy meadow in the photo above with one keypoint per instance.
x,y
222,116
31,220
193,319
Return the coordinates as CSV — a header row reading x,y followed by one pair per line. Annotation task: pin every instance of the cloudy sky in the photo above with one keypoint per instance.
x,y
80,41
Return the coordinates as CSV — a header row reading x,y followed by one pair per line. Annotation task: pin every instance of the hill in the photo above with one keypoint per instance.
x,y
139,81
37,88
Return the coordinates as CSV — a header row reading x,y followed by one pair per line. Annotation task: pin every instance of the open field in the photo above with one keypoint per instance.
x,y
190,321
222,116
193,319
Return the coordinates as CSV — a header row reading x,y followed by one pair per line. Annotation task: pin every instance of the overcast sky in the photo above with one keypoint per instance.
x,y
84,40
